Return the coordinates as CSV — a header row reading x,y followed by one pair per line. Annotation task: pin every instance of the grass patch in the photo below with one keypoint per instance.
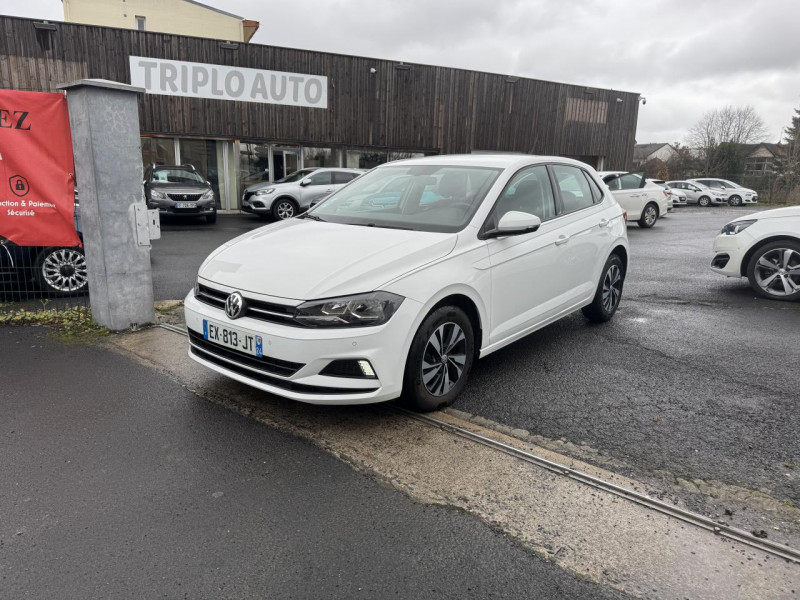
x,y
67,324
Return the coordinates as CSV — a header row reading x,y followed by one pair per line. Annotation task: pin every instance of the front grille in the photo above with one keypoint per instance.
x,y
185,197
248,195
255,309
274,381
273,366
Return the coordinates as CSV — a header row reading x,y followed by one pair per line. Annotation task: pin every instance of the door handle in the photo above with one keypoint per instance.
x,y
562,239
329,190
635,195
603,223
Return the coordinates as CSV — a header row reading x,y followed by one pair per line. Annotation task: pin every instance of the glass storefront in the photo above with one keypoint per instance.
x,y
231,167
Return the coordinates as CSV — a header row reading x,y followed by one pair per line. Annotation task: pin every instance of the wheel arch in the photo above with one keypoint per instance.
x,y
469,306
758,245
622,252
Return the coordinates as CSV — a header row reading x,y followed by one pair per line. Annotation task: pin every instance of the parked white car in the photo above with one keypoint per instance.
x,y
368,301
697,193
678,197
735,195
765,248
288,197
643,200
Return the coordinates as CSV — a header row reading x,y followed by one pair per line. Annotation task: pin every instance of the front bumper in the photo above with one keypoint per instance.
x,y
167,207
385,347
729,251
257,204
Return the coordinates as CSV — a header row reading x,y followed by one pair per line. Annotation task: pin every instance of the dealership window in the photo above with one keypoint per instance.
x,y
581,110
160,151
253,165
141,23
365,159
206,156
404,155
321,157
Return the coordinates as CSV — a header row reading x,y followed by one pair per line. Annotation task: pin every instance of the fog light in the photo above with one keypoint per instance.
x,y
366,368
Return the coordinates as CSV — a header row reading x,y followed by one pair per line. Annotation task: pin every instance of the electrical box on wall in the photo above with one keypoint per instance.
x,y
148,224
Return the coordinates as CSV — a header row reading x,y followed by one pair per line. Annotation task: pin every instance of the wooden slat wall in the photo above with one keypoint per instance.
x,y
424,108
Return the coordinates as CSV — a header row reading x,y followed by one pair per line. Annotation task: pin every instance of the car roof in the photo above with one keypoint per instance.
x,y
497,161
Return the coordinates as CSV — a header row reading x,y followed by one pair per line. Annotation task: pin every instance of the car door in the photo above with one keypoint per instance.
x,y
341,178
315,187
629,193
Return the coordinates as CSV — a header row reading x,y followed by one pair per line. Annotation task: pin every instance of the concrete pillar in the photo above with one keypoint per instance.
x,y
104,117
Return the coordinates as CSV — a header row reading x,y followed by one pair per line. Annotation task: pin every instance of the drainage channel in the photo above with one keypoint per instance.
x,y
726,531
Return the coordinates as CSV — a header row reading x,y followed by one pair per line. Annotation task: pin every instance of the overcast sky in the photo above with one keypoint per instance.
x,y
685,56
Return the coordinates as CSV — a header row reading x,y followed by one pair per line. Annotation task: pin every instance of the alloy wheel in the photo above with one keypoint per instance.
x,y
650,215
612,288
777,272
734,200
285,210
64,270
444,358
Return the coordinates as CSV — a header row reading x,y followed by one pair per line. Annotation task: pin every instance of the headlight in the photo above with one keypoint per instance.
x,y
196,286
156,195
375,308
265,192
736,227
209,195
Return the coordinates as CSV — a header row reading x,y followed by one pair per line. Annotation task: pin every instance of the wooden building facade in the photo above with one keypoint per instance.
x,y
376,110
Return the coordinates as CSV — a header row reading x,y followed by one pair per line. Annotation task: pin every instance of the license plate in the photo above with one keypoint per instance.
x,y
186,205
249,343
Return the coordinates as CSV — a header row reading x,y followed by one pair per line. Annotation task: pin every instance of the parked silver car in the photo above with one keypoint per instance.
x,y
294,193
735,195
697,193
677,197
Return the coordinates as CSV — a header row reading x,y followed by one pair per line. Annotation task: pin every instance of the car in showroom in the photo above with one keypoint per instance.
x,y
643,200
697,193
397,299
288,197
50,270
765,248
179,190
677,197
734,194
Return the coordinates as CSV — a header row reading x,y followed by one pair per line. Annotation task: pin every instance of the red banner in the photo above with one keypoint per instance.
x,y
37,187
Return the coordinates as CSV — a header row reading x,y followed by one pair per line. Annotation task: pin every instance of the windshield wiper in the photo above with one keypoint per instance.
x,y
383,226
312,217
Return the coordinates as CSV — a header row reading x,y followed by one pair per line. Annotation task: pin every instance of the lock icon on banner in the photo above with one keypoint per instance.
x,y
19,185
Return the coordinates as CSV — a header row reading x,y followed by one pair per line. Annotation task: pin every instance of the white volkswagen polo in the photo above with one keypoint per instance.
x,y
386,291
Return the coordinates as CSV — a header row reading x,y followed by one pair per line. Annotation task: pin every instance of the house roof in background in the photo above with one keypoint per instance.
x,y
642,151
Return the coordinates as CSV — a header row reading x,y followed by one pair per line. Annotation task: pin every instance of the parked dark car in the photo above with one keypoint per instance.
x,y
179,190
54,271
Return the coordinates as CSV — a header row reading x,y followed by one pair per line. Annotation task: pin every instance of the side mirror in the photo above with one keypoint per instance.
x,y
515,223
306,181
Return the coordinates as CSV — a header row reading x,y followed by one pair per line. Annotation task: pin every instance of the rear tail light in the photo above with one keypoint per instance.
x,y
624,215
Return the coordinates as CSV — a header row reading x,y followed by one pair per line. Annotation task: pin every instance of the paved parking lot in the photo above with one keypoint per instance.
x,y
694,378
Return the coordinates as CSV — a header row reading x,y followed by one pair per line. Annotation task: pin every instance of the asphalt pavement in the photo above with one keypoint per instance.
x,y
117,482
694,378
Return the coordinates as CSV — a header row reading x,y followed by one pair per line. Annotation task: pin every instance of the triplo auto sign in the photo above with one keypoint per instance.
x,y
220,82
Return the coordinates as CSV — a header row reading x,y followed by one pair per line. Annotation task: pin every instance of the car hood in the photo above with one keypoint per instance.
x,y
775,213
301,259
266,184
180,188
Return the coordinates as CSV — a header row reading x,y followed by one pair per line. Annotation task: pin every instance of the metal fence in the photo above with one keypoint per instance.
x,y
35,278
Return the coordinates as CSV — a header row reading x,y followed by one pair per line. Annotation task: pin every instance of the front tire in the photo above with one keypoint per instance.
x,y
609,292
212,218
649,216
439,361
284,208
704,201
62,271
774,271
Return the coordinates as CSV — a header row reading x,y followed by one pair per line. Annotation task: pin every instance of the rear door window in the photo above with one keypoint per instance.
x,y
575,191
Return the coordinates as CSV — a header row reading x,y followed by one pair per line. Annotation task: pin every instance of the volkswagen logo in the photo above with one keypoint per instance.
x,y
234,305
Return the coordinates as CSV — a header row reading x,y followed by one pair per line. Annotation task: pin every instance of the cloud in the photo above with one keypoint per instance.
x,y
685,56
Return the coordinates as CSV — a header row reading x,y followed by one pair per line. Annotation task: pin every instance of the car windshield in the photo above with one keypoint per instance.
x,y
421,198
296,176
176,175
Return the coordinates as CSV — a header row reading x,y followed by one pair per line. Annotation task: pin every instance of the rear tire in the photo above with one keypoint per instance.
x,y
649,216
609,292
439,361
735,201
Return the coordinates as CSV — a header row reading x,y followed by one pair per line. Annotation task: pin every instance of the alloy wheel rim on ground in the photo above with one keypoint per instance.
x,y
64,270
650,216
285,210
612,288
444,358
777,272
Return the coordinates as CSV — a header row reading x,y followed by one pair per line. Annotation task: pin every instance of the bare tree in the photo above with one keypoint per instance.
x,y
719,133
